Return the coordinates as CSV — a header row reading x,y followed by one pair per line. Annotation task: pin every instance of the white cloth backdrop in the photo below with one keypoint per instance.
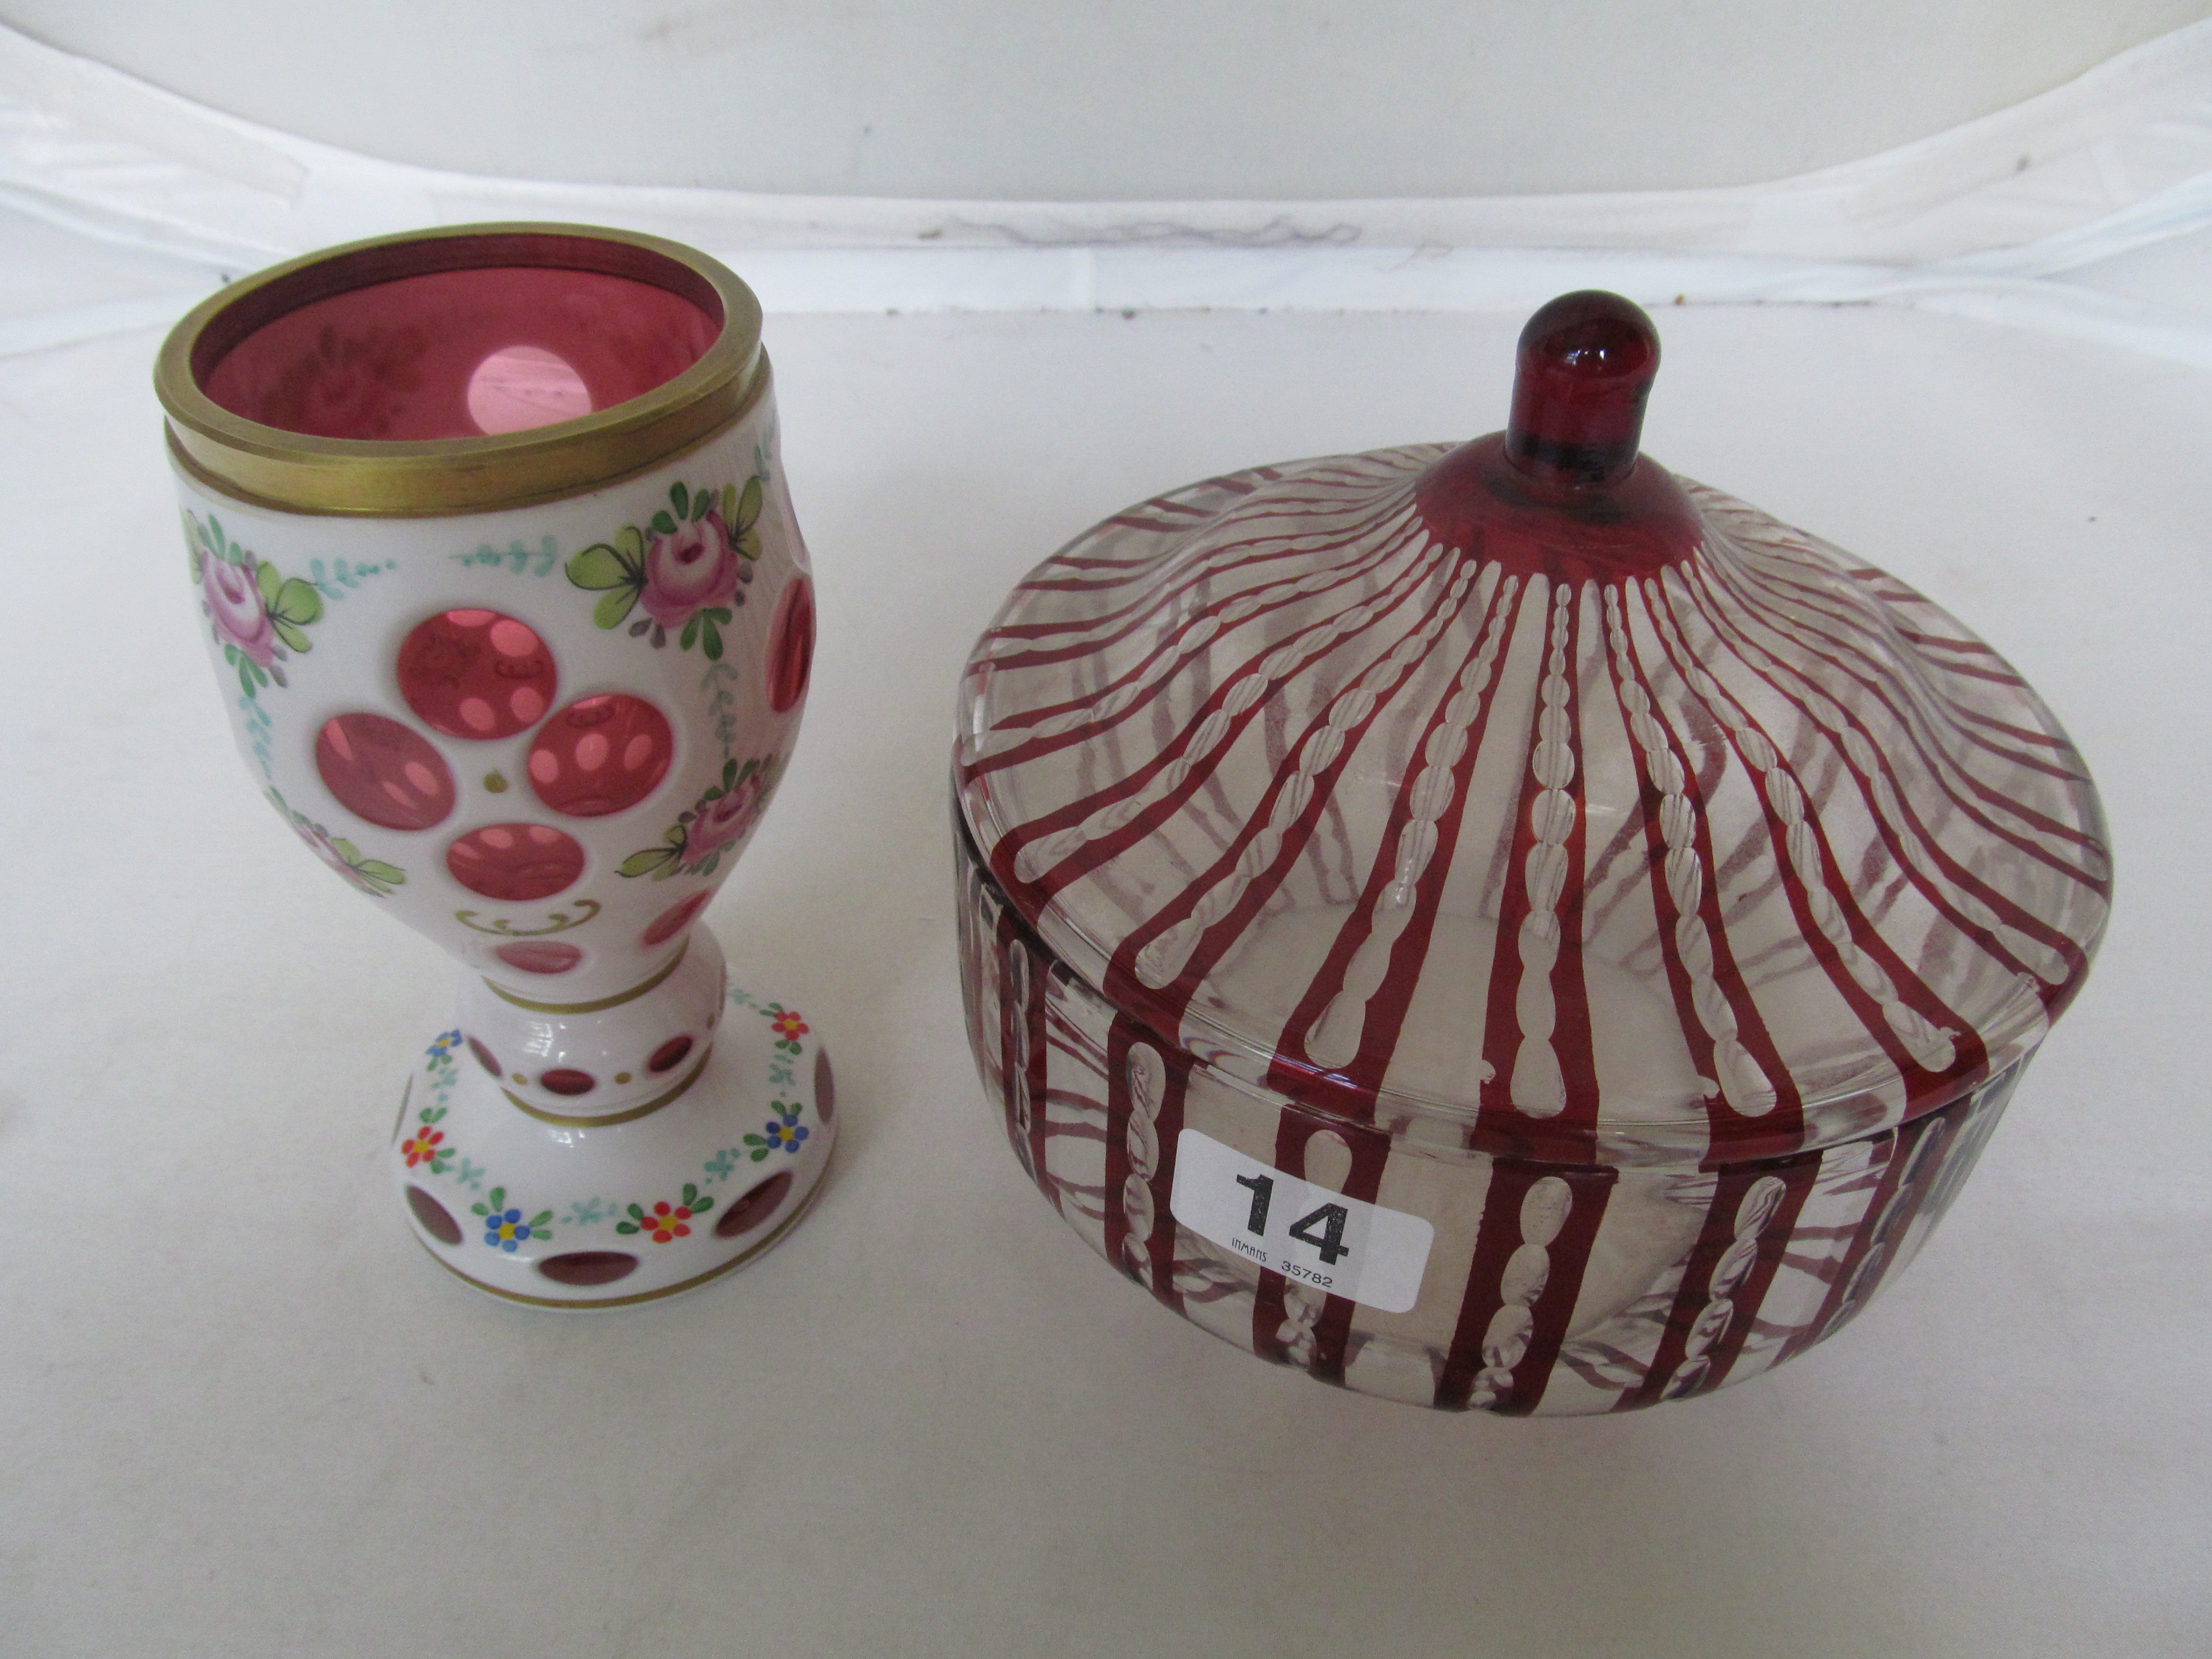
x,y
239,1416
1112,100
2086,211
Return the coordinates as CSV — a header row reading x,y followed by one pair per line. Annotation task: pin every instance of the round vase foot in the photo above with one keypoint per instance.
x,y
558,1210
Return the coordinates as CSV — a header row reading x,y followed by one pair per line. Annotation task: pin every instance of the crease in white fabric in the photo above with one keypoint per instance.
x,y
1981,221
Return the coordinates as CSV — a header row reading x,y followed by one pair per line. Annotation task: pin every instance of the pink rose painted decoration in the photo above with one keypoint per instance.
x,y
234,607
688,571
256,614
721,817
723,821
687,567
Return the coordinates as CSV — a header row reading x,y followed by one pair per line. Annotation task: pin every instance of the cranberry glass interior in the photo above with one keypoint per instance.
x,y
505,337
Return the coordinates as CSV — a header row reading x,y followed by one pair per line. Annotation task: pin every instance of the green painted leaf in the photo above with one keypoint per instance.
x,y
598,566
609,611
293,635
496,1197
759,1154
749,505
376,870
625,1226
729,502
691,632
730,773
701,1206
296,601
266,579
662,523
631,545
718,614
710,641
680,499
540,1221
638,864
690,1193
749,546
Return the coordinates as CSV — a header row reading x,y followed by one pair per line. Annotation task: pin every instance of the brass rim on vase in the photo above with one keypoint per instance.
x,y
296,472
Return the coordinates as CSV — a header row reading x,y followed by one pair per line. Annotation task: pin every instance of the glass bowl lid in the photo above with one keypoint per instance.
x,y
1522,794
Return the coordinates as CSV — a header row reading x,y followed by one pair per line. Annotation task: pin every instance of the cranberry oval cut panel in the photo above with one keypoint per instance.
x,y
670,1055
588,1267
476,674
755,1207
673,921
567,1080
540,955
791,646
383,771
517,862
434,1217
601,753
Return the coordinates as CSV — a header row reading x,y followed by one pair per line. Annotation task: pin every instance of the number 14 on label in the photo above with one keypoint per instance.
x,y
1329,1243
1327,1240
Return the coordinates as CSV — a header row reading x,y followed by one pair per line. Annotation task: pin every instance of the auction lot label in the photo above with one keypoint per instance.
x,y
1337,1244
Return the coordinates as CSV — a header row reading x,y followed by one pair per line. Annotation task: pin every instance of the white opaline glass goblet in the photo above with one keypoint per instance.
x,y
503,589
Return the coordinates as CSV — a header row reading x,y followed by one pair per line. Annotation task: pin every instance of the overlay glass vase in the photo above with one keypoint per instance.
x,y
500,580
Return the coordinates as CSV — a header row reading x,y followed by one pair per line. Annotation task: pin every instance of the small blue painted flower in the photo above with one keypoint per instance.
x,y
504,1228
783,1130
447,1043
